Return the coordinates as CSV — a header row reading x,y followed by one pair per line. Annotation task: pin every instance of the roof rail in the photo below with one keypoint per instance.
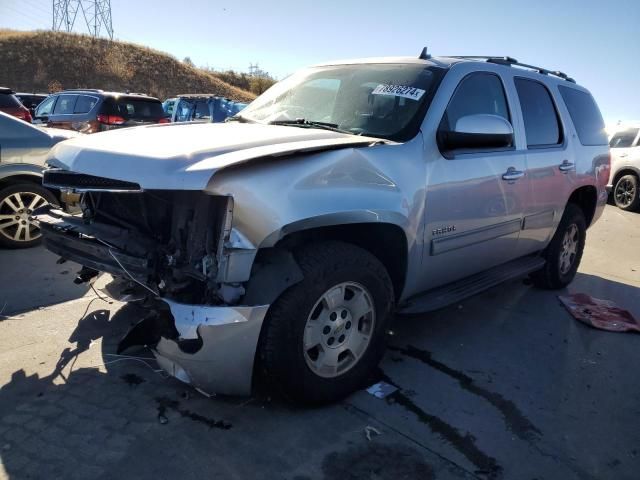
x,y
510,61
94,90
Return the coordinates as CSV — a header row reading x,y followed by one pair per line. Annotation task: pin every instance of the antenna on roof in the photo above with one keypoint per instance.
x,y
424,55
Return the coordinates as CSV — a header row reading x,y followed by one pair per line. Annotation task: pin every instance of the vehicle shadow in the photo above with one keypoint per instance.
x,y
31,278
102,415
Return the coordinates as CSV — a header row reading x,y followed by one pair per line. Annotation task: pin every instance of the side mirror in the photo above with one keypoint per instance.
x,y
478,132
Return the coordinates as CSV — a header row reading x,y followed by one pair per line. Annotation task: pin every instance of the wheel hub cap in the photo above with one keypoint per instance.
x,y
16,221
625,193
569,248
338,329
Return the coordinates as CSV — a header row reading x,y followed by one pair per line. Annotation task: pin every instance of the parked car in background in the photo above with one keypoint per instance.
x,y
23,151
625,168
201,108
11,105
287,237
31,100
90,111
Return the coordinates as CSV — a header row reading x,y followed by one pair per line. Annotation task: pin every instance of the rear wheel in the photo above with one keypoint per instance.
x,y
324,336
625,193
564,252
17,203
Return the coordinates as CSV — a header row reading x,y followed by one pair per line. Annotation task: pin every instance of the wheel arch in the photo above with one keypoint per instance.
x,y
385,241
628,170
585,197
20,172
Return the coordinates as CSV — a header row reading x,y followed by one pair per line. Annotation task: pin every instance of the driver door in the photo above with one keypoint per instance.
x,y
475,197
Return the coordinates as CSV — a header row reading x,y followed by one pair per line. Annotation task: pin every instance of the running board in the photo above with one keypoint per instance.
x,y
440,297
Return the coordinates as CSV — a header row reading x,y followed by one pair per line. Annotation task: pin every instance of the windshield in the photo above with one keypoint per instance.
x,y
378,100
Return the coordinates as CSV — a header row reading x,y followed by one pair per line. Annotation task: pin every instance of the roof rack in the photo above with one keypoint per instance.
x,y
510,61
94,90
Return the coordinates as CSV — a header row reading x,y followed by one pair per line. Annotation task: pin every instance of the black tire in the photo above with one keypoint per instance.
x,y
8,233
281,353
552,276
625,193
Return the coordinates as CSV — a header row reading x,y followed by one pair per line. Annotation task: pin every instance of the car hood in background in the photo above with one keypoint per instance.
x,y
59,134
185,156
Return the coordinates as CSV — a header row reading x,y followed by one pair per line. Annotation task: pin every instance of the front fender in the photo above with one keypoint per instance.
x,y
335,219
23,169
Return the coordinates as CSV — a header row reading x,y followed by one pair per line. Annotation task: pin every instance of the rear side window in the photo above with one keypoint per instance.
x,y
65,104
85,104
8,101
135,109
540,117
478,93
585,115
623,139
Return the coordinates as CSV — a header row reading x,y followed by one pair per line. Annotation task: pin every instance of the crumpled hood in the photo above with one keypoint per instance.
x,y
185,156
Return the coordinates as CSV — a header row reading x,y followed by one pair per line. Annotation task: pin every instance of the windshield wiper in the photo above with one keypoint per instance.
x,y
239,118
302,122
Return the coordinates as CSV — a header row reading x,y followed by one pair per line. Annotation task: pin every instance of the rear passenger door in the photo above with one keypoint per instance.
x,y
550,163
474,198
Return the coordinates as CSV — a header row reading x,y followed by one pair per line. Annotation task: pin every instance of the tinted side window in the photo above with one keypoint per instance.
x,y
84,104
539,114
478,93
585,115
65,104
8,101
623,139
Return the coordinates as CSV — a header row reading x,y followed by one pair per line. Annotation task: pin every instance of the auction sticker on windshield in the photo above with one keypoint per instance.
x,y
399,91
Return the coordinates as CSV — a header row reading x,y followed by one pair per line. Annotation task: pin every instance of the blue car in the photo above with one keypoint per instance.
x,y
201,108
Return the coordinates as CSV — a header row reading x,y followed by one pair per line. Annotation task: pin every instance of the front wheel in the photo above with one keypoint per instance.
x,y
17,203
564,252
324,336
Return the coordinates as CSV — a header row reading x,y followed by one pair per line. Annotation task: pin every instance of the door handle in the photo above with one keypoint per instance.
x,y
512,174
622,155
566,165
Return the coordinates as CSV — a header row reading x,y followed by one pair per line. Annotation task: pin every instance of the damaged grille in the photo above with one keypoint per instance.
x,y
80,181
169,240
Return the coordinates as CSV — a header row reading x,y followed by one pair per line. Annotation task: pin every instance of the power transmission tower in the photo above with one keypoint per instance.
x,y
95,13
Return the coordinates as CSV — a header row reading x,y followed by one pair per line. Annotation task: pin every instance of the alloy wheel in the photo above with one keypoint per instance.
x,y
339,329
16,221
625,192
569,248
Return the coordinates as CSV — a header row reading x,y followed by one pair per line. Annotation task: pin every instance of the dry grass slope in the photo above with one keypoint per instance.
x,y
31,61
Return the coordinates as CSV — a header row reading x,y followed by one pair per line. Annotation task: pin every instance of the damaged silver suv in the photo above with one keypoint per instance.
x,y
282,242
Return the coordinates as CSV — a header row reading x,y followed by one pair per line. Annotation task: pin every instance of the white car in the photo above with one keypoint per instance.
x,y
23,151
625,167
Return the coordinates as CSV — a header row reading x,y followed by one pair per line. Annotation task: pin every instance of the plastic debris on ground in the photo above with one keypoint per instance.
x,y
381,389
369,431
598,313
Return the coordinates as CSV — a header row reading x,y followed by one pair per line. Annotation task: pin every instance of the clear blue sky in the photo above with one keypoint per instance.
x,y
596,42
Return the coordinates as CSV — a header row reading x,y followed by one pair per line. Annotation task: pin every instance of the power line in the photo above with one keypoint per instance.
x,y
30,19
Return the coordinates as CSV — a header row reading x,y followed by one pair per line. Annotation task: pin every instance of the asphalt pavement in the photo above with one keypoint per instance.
x,y
504,385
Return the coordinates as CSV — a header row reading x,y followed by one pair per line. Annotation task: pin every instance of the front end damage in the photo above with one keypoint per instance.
x,y
178,250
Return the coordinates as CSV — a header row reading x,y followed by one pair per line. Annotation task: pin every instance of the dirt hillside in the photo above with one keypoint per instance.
x,y
36,61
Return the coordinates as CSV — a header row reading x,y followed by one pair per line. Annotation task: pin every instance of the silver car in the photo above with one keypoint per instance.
x,y
23,151
281,243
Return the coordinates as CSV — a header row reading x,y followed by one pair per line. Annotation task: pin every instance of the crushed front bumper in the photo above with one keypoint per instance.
x,y
216,347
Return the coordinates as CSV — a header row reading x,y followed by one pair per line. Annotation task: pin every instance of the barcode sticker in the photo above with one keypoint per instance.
x,y
398,91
